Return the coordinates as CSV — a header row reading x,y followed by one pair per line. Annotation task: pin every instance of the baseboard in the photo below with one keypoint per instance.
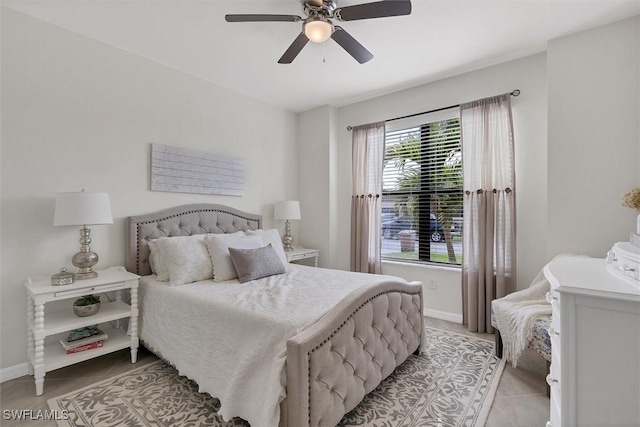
x,y
12,372
443,315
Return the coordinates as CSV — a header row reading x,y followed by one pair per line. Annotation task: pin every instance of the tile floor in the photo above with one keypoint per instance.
x,y
520,401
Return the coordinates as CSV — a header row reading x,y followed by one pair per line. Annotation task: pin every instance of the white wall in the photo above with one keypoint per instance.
x,y
529,111
317,146
80,114
594,137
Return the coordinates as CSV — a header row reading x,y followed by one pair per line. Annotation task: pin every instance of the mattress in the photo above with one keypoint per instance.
x,y
231,337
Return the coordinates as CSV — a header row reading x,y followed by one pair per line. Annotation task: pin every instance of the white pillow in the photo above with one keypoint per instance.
x,y
271,236
158,266
185,258
219,244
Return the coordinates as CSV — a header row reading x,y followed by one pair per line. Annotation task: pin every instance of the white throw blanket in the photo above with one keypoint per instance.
x,y
516,313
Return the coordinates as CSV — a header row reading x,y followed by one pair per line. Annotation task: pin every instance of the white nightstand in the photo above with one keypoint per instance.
x,y
299,253
43,358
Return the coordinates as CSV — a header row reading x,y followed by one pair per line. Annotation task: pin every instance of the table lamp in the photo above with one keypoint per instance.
x,y
83,208
287,210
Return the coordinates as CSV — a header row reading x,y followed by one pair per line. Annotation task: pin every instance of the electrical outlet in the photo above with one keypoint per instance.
x,y
431,284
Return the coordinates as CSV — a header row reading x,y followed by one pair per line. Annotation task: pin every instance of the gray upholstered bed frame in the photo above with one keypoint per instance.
x,y
335,362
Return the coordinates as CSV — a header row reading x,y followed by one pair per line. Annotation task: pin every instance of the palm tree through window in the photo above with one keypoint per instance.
x,y
422,192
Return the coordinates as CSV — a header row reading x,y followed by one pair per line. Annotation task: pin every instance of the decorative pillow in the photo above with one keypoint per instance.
x,y
219,244
254,264
158,266
185,259
152,262
272,236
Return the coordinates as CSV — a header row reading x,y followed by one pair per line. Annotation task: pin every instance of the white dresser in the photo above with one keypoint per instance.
x,y
595,345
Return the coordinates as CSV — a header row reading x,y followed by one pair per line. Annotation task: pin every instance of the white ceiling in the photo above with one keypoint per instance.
x,y
439,39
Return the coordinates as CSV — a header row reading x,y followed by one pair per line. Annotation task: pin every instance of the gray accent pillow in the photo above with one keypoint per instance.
x,y
254,264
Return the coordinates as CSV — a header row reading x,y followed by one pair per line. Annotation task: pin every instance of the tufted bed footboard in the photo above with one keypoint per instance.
x,y
332,365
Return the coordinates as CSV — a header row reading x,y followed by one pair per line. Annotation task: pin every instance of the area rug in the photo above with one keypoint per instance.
x,y
452,384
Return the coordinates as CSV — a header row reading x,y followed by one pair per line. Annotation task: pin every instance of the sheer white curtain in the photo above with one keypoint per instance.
x,y
367,158
489,263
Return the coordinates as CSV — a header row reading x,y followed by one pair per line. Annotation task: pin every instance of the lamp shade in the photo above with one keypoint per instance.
x,y
82,208
288,209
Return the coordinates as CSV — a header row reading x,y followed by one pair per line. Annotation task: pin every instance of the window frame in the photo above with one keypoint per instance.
x,y
424,227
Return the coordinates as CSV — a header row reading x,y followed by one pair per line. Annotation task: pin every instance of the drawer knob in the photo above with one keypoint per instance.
x,y
553,332
548,424
551,380
550,298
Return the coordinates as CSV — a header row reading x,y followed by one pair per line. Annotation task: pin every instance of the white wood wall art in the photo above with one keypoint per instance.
x,y
180,170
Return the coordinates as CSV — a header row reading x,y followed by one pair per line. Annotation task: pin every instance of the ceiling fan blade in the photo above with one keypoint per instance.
x,y
351,45
379,9
294,49
262,18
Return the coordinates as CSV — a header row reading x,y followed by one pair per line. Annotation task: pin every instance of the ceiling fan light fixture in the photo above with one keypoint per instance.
x,y
318,29
318,26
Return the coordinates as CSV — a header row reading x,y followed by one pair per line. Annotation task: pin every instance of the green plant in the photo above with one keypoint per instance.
x,y
87,300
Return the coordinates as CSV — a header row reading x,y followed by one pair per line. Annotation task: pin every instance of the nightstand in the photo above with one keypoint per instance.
x,y
44,358
299,253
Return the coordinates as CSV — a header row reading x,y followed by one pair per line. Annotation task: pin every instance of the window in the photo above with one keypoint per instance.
x,y
422,189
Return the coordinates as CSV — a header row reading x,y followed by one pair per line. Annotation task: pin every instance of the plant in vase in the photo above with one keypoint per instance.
x,y
632,200
87,305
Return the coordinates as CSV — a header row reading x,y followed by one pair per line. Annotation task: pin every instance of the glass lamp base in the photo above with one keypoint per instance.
x,y
85,261
287,242
86,275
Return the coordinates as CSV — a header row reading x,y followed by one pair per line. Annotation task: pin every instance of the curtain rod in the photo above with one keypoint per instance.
x,y
516,92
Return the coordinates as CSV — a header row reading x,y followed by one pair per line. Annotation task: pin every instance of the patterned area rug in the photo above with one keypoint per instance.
x,y
452,384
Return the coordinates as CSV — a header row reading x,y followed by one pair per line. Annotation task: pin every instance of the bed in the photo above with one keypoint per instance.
x,y
326,355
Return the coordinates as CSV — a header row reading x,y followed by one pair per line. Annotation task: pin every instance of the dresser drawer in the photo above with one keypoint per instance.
x,y
555,413
553,379
553,298
556,360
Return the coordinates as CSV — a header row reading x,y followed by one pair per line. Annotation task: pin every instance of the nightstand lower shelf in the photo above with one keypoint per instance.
x,y
56,357
61,321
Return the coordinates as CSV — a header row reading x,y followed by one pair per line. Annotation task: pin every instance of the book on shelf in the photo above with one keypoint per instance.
x,y
84,332
101,336
96,344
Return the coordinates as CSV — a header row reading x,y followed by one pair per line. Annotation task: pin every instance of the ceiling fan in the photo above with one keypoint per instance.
x,y
318,27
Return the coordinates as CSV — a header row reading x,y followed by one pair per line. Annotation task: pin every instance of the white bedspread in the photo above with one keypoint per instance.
x,y
231,338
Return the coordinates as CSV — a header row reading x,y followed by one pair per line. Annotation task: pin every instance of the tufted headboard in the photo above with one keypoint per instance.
x,y
181,221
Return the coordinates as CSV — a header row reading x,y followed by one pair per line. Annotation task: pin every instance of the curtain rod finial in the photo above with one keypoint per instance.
x,y
515,92
349,128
